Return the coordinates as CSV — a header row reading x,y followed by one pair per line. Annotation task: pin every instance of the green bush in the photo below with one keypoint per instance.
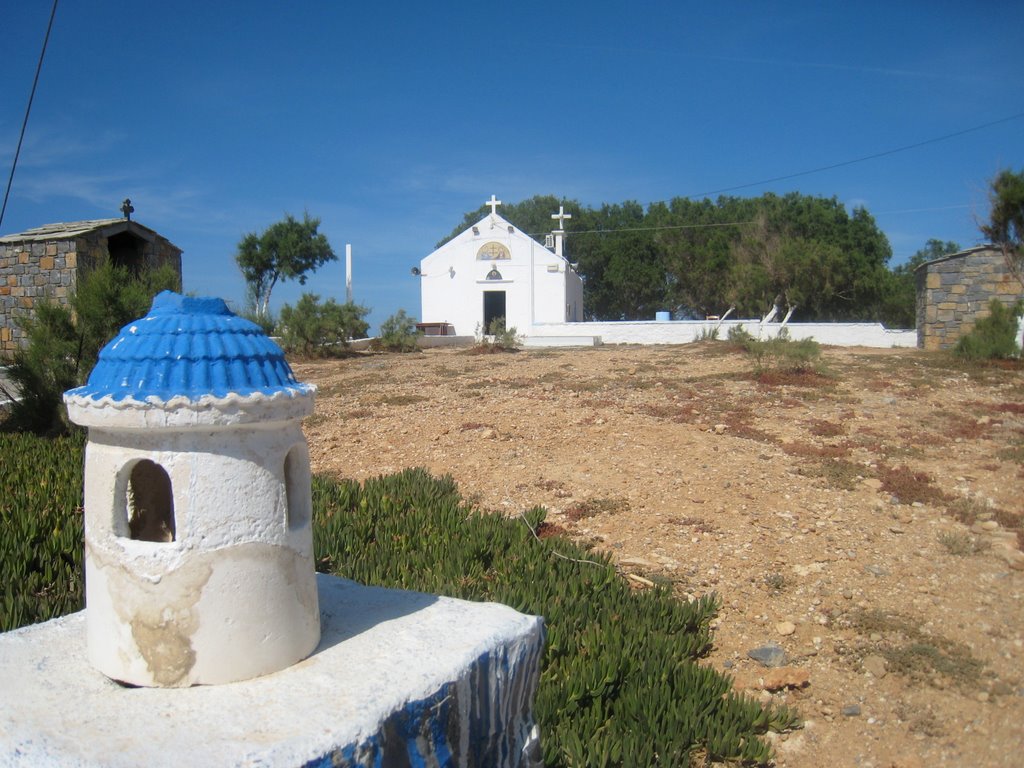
x,y
266,321
620,680
708,334
318,329
783,355
399,334
498,338
993,337
64,342
740,336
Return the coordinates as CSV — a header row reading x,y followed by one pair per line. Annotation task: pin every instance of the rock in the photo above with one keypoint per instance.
x,y
636,562
1001,688
875,666
1012,557
720,428
768,655
785,677
851,710
875,570
785,627
872,482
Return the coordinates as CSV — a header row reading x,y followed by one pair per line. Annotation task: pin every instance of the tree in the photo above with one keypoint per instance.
x,y
64,342
899,304
532,215
1005,227
287,250
699,257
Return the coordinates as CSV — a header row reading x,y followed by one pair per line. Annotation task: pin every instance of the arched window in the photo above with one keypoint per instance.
x,y
296,485
149,503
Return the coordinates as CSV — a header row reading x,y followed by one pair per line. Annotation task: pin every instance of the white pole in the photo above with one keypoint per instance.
x,y
348,272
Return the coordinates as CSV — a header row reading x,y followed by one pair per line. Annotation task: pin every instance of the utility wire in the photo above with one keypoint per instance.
x,y
28,109
875,156
647,229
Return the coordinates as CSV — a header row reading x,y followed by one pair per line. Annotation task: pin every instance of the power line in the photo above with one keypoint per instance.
x,y
865,158
28,109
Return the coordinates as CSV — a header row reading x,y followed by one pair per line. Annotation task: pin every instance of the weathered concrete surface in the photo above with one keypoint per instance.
x,y
398,675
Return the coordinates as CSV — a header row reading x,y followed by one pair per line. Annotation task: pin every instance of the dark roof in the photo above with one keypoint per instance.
x,y
959,255
189,347
72,229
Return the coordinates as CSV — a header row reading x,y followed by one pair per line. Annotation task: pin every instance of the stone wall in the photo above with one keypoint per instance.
x,y
953,293
32,271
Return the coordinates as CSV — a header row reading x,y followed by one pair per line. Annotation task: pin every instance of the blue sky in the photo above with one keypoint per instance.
x,y
390,120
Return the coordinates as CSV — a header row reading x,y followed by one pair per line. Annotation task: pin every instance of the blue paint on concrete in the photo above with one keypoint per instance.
x,y
189,347
427,733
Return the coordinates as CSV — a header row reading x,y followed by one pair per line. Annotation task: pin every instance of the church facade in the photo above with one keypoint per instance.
x,y
493,270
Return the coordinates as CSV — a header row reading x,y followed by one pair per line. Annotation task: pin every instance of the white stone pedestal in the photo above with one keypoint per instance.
x,y
399,678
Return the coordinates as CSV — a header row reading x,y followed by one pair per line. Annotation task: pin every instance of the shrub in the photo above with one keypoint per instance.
x,y
994,336
318,329
398,333
620,684
498,338
708,334
784,355
64,342
740,337
266,321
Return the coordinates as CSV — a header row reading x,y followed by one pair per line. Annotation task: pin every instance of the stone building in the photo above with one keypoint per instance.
x,y
954,292
43,264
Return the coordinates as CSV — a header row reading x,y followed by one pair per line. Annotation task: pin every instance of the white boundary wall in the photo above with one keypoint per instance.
x,y
685,331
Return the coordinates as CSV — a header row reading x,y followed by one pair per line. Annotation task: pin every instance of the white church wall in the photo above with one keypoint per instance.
x,y
533,280
685,331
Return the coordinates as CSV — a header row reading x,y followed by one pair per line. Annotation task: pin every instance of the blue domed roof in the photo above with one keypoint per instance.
x,y
189,347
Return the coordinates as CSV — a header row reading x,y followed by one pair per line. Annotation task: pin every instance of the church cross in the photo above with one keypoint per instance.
x,y
561,216
494,203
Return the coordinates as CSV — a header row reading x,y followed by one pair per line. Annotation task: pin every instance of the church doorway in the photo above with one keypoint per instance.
x,y
126,250
494,307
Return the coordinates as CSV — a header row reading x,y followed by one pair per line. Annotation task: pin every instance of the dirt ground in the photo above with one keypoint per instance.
x,y
863,520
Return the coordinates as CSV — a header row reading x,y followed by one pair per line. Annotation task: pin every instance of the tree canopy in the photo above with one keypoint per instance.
x,y
1005,226
286,250
701,257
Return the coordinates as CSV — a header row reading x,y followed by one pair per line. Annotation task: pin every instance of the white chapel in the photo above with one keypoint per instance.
x,y
493,270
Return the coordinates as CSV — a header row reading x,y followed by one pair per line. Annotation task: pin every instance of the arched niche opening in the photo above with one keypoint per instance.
x,y
296,484
148,504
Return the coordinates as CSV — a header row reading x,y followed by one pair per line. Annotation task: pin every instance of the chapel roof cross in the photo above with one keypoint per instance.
x,y
494,203
561,216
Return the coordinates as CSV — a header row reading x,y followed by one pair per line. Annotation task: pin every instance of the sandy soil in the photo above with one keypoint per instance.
x,y
825,511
